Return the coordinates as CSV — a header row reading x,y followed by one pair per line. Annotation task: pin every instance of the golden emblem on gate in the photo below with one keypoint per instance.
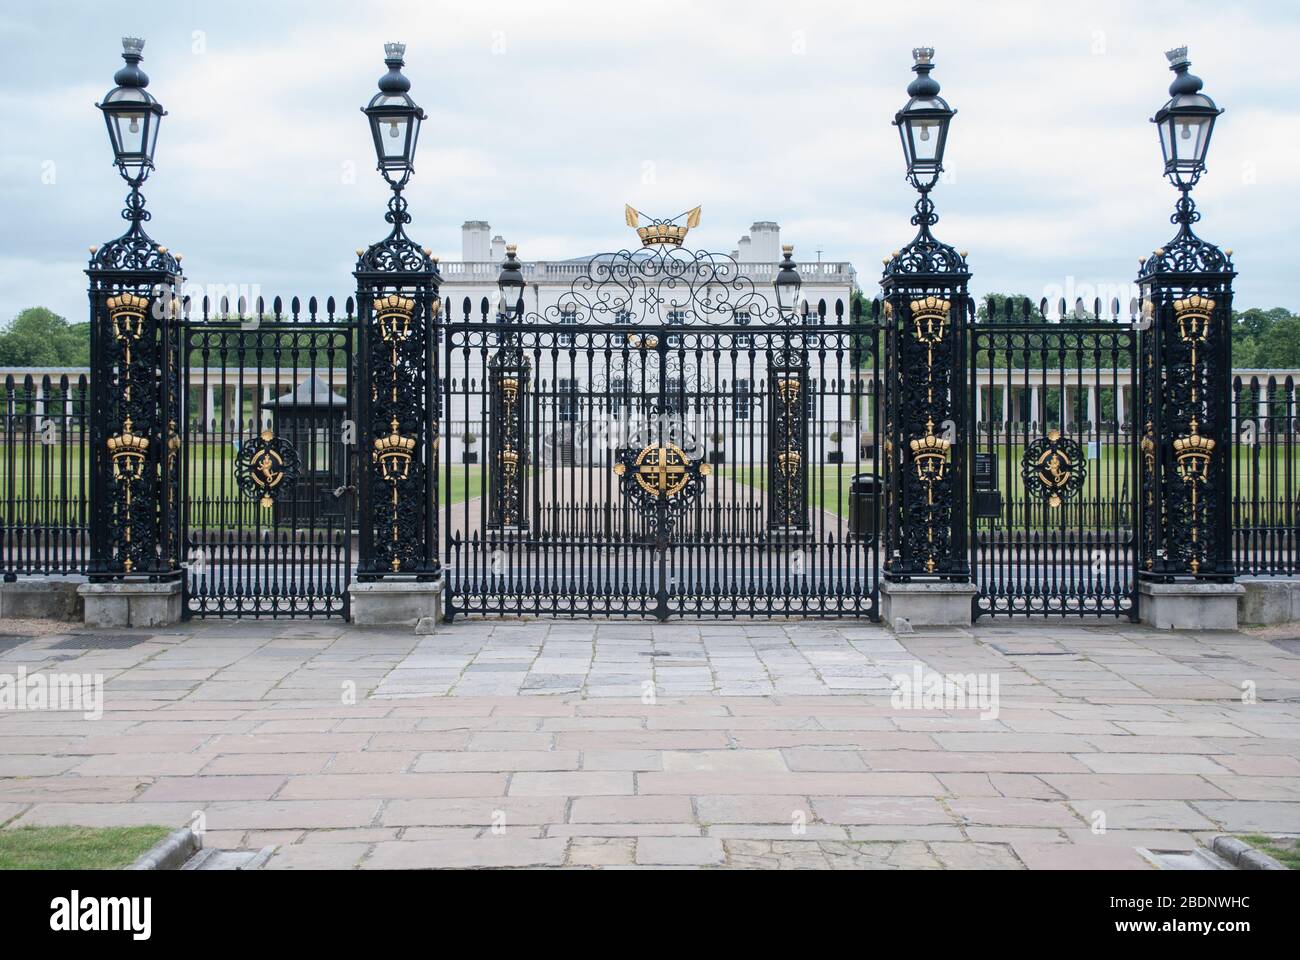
x,y
266,468
662,471
1053,468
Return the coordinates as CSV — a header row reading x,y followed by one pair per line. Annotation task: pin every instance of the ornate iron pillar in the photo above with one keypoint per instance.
x,y
510,373
1185,392
397,364
787,452
135,363
926,305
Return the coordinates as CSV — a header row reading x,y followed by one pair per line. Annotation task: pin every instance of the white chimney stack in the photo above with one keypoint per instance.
x,y
498,248
766,246
474,243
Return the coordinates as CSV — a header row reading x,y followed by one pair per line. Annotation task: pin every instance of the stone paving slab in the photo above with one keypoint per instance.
x,y
745,745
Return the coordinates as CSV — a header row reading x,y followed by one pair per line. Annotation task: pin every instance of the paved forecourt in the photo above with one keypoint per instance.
x,y
738,744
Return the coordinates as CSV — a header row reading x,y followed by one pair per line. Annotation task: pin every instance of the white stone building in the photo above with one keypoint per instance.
x,y
548,286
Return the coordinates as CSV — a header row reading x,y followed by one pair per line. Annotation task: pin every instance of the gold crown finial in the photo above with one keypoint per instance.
x,y
667,232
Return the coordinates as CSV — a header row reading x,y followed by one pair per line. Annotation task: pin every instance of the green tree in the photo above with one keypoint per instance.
x,y
993,308
1279,346
39,337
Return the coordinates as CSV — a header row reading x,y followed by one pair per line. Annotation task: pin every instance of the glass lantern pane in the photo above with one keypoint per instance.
x,y
1166,139
925,139
393,132
154,122
131,128
1191,138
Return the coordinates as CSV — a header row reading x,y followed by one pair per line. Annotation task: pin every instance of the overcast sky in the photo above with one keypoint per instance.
x,y
546,117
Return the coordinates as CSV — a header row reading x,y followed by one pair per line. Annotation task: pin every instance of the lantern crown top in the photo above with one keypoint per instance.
x,y
1184,82
131,75
923,62
394,81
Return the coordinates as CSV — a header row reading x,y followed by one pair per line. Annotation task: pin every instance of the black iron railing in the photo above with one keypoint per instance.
x,y
1265,477
43,475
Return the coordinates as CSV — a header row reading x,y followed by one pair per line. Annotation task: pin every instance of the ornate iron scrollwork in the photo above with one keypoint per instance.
x,y
1053,468
267,468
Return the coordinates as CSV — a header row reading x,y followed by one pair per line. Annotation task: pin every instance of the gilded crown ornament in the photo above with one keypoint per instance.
x,y
930,452
393,453
1192,453
667,232
127,451
394,314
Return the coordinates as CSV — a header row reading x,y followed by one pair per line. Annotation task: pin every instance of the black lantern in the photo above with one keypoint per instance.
x,y
923,123
787,283
132,115
1185,123
394,120
511,284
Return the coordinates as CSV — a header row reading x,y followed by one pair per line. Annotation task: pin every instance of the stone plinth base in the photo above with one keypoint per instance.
x,y
40,599
1268,601
396,602
1189,606
131,604
927,604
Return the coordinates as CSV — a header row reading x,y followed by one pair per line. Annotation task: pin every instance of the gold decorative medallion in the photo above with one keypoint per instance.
x,y
1053,468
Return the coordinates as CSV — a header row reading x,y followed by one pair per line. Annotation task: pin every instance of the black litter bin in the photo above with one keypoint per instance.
x,y
863,491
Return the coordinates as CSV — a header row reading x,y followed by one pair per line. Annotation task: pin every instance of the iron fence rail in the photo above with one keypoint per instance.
x,y
44,484
584,552
1265,477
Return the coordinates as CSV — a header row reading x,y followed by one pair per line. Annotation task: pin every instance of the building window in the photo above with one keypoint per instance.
x,y
618,394
676,318
674,400
740,400
742,340
568,317
566,394
623,317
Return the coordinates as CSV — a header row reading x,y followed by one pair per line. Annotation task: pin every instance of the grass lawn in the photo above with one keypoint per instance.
x,y
466,481
832,495
1285,851
75,848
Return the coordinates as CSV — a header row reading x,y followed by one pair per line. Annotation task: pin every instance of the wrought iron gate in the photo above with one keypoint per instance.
x,y
660,442
1054,464
265,446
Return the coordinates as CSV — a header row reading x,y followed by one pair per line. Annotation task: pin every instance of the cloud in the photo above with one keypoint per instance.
x,y
545,118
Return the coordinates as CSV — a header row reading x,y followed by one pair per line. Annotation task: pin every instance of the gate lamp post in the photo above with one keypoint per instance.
x,y
511,284
923,123
133,116
394,120
1186,289
925,288
1185,124
788,283
134,342
397,372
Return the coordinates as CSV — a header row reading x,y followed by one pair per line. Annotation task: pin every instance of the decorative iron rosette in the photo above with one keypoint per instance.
x,y
659,475
267,468
1053,468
